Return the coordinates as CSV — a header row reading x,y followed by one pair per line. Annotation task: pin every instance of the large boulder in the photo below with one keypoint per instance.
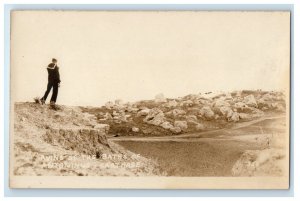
x,y
272,101
135,129
170,104
191,118
194,111
240,105
115,113
199,127
237,96
226,111
155,117
204,101
207,113
181,124
143,112
108,116
235,117
131,108
120,116
187,103
260,163
176,112
220,102
244,116
166,125
277,106
176,130
250,101
263,103
269,97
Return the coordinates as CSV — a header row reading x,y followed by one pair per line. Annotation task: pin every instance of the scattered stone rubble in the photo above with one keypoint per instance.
x,y
193,112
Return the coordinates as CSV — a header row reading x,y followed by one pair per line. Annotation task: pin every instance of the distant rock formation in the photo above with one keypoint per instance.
x,y
200,111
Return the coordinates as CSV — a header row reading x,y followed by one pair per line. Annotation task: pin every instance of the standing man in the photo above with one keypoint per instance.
x,y
53,81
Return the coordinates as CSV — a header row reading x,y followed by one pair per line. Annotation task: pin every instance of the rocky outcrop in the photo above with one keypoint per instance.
x,y
192,119
155,117
186,103
181,124
135,129
171,104
175,130
250,101
244,116
220,103
207,113
209,110
260,163
200,127
167,125
143,112
176,113
120,116
235,117
240,105
226,111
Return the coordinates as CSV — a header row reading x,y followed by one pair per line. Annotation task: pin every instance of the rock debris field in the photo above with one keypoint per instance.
x,y
242,133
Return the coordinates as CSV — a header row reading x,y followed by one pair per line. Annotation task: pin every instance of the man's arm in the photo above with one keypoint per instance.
x,y
58,75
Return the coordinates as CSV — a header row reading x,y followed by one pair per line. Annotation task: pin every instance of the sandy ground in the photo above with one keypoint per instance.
x,y
249,149
35,155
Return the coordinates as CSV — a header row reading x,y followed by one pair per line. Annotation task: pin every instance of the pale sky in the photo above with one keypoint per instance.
x,y
135,55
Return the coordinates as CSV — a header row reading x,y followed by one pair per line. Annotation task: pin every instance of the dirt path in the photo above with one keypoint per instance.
x,y
192,136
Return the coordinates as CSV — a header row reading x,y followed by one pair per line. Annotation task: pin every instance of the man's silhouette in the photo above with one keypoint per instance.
x,y
53,81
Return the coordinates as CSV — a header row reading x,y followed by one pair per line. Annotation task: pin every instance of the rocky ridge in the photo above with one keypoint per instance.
x,y
191,113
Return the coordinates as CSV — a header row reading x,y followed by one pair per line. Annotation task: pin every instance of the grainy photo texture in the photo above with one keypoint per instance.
x,y
148,99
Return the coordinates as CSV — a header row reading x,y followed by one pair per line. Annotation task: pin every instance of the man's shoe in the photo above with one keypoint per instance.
x,y
52,105
37,100
42,101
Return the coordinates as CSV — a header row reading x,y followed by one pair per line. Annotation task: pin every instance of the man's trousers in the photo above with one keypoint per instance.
x,y
54,92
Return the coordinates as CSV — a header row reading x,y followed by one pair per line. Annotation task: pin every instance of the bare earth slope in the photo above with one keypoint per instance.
x,y
69,142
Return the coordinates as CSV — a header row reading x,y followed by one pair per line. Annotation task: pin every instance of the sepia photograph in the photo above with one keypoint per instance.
x,y
149,99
